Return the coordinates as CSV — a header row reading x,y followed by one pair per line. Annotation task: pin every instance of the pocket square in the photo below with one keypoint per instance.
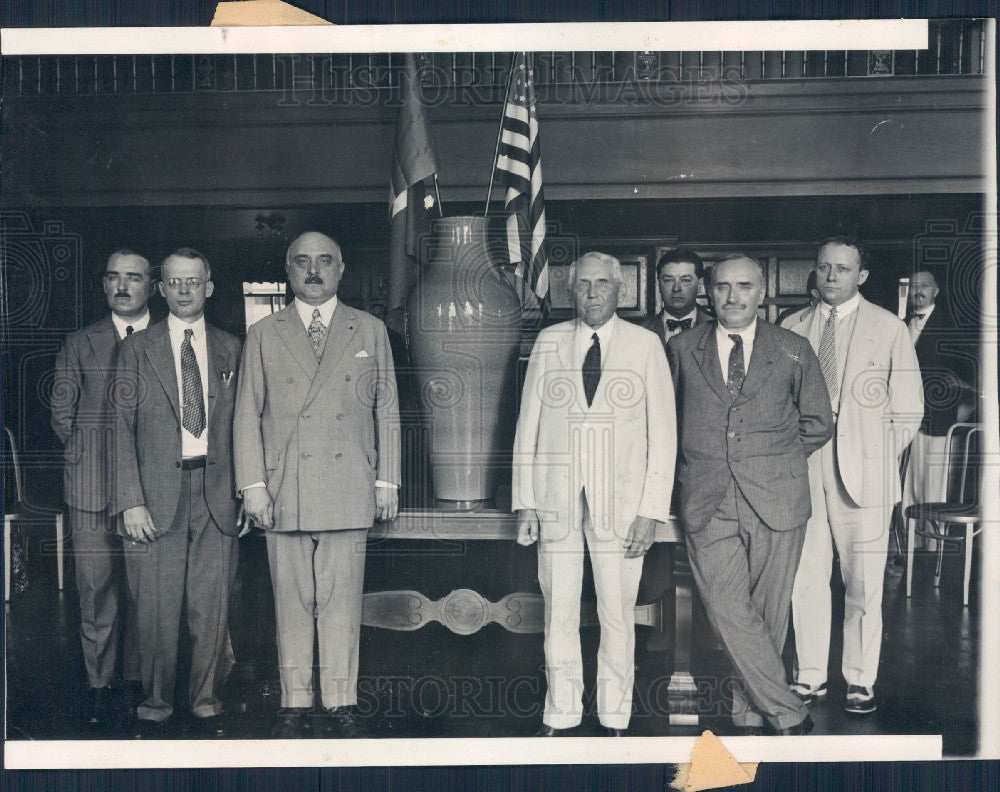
x,y
362,353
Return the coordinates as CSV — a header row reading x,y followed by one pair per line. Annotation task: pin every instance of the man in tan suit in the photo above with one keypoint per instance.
x,y
593,468
83,419
316,443
871,372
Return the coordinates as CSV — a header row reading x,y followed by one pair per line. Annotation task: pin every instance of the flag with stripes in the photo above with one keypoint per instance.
x,y
519,166
414,161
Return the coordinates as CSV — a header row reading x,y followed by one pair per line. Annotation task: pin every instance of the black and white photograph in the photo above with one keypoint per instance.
x,y
459,390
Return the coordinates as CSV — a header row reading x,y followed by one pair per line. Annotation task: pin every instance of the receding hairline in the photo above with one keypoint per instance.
x,y
859,252
733,258
926,272
308,234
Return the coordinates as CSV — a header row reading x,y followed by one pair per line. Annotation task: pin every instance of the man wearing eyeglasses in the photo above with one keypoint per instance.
x,y
173,485
82,420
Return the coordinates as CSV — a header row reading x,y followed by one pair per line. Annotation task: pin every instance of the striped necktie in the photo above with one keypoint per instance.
x,y
317,333
828,353
193,408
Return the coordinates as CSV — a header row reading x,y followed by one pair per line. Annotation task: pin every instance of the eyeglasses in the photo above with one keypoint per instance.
x,y
191,283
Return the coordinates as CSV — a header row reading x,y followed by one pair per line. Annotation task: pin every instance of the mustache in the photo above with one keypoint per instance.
x,y
313,279
122,294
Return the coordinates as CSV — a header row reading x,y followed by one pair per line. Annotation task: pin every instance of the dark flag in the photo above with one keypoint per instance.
x,y
414,162
519,171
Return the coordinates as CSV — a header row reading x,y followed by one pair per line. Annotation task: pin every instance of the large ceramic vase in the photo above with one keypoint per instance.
x,y
464,327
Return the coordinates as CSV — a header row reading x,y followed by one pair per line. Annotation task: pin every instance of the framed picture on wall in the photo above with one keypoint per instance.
x,y
631,299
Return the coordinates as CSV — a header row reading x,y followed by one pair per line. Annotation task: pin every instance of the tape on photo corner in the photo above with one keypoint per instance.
x,y
712,767
262,13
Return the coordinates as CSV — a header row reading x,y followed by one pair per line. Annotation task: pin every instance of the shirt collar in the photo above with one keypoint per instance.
x,y
844,309
926,312
747,333
325,310
585,332
121,325
693,316
178,326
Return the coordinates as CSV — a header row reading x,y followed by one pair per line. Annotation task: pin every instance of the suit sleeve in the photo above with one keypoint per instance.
x,y
526,436
816,424
66,390
388,433
661,436
251,391
127,392
906,390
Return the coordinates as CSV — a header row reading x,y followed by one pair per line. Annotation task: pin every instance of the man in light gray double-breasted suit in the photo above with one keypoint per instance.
x,y
316,439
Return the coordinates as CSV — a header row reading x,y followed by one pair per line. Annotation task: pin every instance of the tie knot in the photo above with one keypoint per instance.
x,y
920,315
596,338
129,330
316,315
736,338
833,311
188,333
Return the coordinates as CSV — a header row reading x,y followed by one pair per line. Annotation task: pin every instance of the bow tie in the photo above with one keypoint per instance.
x,y
674,324
919,316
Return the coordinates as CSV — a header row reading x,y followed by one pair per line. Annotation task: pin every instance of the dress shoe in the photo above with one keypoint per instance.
x,y
99,707
611,731
341,723
291,724
809,693
860,700
210,728
549,731
133,693
797,730
152,730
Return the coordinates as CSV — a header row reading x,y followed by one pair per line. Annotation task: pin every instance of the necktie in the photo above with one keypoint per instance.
x,y
736,368
919,316
592,369
193,408
317,333
674,324
129,330
828,353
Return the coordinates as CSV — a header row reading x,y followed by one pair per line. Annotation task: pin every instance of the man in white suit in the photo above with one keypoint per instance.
x,y
593,467
871,372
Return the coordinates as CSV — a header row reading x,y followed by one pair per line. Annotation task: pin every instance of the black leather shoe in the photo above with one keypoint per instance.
x,y
210,728
341,723
797,730
291,724
549,731
133,694
611,731
99,707
151,730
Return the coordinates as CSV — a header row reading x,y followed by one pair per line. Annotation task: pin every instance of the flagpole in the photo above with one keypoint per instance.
x,y
437,192
496,149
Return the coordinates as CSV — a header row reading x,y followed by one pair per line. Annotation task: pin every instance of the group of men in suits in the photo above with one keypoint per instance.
x,y
786,442
179,439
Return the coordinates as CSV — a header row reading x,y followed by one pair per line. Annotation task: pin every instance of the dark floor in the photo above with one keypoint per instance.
x,y
432,683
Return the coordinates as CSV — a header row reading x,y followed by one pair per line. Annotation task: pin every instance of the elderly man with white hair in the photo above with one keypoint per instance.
x,y
593,468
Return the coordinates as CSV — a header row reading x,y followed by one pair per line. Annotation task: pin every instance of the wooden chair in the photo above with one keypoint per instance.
x,y
962,510
21,511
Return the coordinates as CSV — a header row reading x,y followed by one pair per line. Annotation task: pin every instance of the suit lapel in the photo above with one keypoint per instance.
x,y
103,340
761,360
161,358
805,321
565,348
707,354
293,334
862,341
343,327
218,363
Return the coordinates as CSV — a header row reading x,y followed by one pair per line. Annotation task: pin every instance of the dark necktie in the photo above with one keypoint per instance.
x,y
674,324
129,330
592,369
735,380
193,403
919,316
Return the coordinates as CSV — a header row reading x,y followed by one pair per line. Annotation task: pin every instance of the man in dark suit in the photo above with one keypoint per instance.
x,y
317,459
173,484
752,406
82,419
947,357
679,274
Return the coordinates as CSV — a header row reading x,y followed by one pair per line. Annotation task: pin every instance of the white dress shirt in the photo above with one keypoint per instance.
x,y
584,339
917,324
191,446
726,344
121,326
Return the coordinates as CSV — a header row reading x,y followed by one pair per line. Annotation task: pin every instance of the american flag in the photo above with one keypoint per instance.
x,y
519,166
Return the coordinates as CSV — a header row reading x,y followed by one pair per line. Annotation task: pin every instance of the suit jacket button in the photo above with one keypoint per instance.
x,y
177,464
347,378
290,380
339,456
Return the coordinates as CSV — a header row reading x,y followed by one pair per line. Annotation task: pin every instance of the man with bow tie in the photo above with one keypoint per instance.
x,y
593,468
679,274
317,459
752,407
174,394
83,419
947,355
